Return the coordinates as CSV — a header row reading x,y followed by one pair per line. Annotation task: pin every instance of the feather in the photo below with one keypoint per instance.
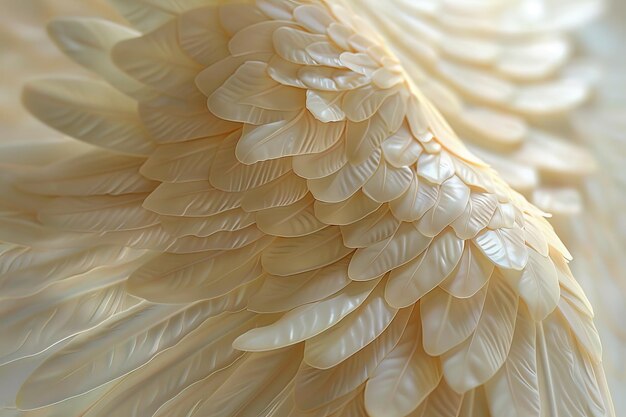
x,y
98,213
404,378
346,212
474,175
362,63
307,321
442,402
197,198
403,246
514,389
69,407
253,385
325,53
552,238
285,72
90,111
40,321
336,407
320,165
304,253
388,182
26,271
88,41
290,44
504,247
447,321
570,288
474,404
582,328
477,215
302,135
256,38
566,384
401,149
503,217
328,80
119,347
315,387
170,119
285,293
150,14
227,221
470,275
373,228
538,286
314,18
325,105
181,162
204,351
174,278
281,192
157,60
364,138
340,33
451,201
342,184
419,197
149,238
410,282
352,334
561,157
436,168
534,236
251,96
189,400
90,173
362,103
295,220
476,360
235,17
220,241
201,35
214,77
229,174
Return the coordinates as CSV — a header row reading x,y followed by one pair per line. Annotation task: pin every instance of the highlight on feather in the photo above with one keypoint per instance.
x,y
272,219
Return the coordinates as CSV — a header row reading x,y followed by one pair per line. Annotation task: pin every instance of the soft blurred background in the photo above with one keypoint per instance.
x,y
590,210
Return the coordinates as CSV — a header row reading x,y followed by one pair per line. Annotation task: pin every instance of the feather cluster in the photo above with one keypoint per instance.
x,y
273,220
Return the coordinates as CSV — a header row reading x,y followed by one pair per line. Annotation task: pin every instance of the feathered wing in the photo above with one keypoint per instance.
x,y
505,75
538,95
310,236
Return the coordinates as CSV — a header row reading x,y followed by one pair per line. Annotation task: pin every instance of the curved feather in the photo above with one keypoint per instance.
x,y
88,41
404,378
353,333
514,389
408,283
91,111
306,321
476,360
284,293
40,321
331,384
448,321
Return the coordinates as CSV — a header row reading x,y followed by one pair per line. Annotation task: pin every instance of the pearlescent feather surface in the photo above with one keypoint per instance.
x,y
288,227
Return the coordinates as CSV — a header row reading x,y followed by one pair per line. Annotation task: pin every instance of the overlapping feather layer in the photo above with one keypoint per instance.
x,y
299,231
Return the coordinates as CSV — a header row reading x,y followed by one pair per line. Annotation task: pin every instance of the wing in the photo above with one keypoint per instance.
x,y
533,94
505,78
313,237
